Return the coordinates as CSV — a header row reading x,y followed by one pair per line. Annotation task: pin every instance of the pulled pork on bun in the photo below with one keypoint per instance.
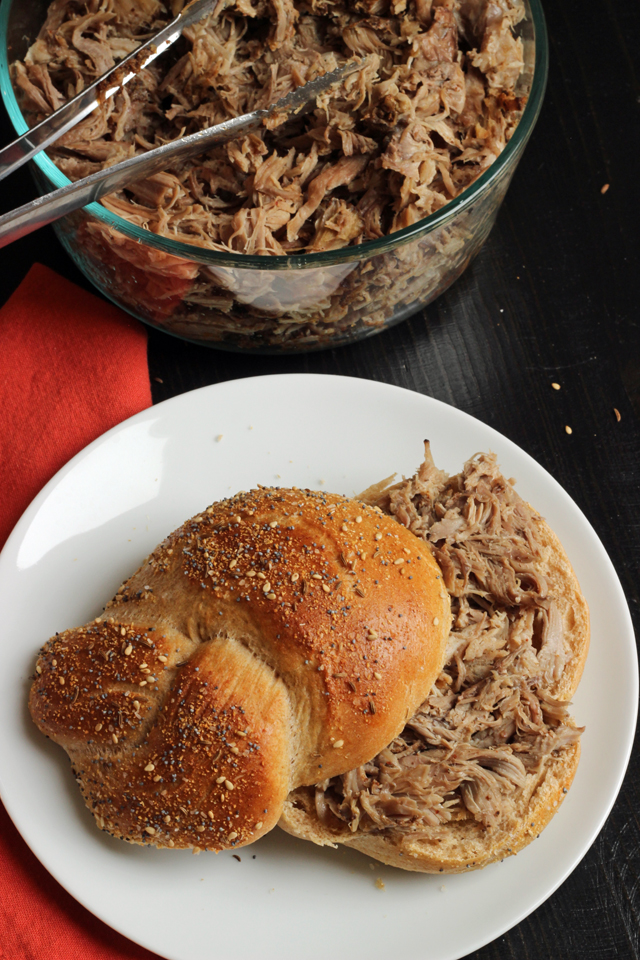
x,y
484,763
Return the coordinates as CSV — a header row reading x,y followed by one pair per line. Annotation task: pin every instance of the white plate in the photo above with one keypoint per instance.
x,y
94,523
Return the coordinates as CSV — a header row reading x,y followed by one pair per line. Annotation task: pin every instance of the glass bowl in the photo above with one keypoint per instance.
x,y
279,304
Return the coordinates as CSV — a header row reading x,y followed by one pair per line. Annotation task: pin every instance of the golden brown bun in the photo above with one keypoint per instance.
x,y
459,845
279,637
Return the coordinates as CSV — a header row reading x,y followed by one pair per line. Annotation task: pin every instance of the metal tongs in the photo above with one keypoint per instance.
x,y
18,223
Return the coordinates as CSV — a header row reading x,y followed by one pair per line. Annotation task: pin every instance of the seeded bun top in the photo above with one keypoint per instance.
x,y
277,638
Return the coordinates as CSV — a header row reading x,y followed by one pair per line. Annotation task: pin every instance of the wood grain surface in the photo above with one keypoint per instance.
x,y
554,296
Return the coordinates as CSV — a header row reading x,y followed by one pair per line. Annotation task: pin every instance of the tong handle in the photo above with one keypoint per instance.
x,y
18,223
38,213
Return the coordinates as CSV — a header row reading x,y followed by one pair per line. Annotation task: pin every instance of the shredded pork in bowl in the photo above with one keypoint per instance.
x,y
325,228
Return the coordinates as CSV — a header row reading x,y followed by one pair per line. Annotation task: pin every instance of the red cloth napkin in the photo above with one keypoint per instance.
x,y
71,367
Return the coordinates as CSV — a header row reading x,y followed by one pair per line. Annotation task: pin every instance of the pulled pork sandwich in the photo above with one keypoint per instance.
x,y
484,763
278,637
430,111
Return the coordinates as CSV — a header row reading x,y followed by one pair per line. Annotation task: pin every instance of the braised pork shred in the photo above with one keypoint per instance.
x,y
430,110
490,720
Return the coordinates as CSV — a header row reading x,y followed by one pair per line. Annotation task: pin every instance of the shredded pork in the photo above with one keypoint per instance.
x,y
490,720
429,111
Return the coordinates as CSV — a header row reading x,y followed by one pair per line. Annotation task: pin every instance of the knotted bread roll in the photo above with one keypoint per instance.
x,y
279,637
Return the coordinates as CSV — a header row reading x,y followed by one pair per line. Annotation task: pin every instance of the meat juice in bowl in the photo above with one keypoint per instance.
x,y
322,231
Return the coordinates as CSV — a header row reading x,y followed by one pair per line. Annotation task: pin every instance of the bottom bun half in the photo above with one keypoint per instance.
x,y
454,847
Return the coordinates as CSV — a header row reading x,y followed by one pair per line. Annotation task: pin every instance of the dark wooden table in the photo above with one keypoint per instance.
x,y
553,296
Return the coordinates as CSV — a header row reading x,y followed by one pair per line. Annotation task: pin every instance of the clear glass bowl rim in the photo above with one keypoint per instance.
x,y
370,248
